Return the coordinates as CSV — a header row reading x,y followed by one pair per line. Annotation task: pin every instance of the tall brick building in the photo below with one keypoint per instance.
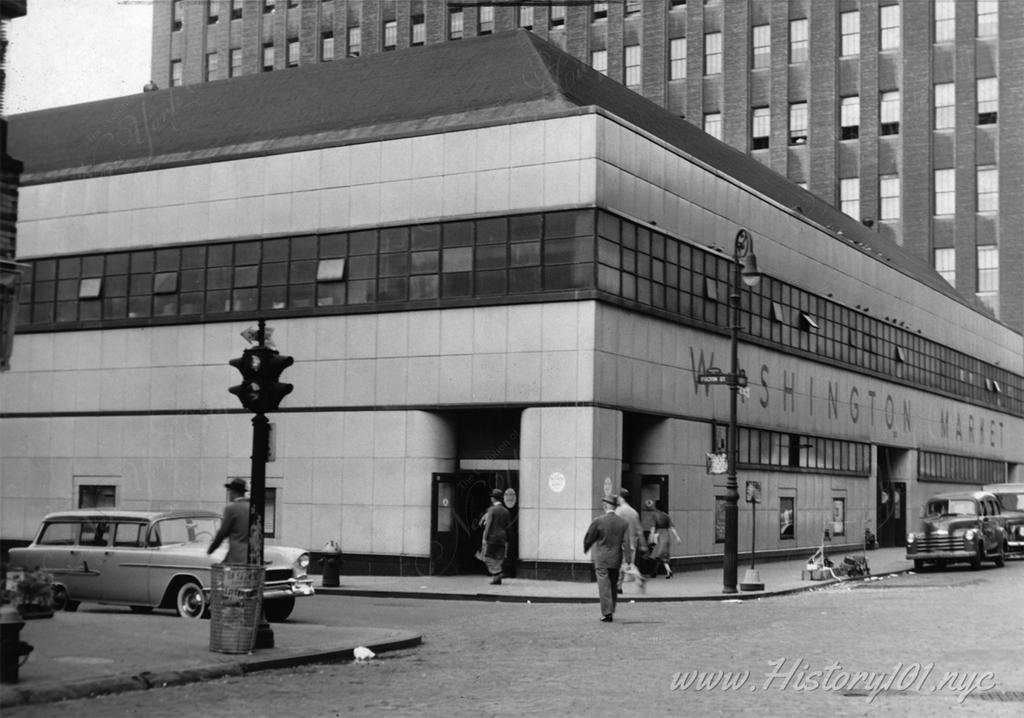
x,y
896,112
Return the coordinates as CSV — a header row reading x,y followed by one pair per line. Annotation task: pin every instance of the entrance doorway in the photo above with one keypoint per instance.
x,y
891,504
647,492
459,501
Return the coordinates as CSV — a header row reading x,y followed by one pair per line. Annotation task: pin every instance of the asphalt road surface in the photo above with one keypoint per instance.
x,y
937,643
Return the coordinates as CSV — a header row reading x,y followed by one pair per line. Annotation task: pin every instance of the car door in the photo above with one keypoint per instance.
x,y
86,561
991,526
126,565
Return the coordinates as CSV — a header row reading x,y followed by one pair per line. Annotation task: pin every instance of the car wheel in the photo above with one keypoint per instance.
x,y
976,559
60,601
191,601
141,609
279,609
918,564
1001,556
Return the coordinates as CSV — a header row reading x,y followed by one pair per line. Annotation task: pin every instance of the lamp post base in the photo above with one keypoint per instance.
x,y
752,581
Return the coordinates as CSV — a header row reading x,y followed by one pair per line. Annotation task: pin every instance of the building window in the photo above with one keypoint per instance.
x,y
557,15
988,188
212,65
355,41
419,30
268,57
945,192
988,18
889,196
235,67
787,517
849,118
988,275
269,6
632,62
945,264
945,20
599,61
889,27
176,76
677,58
632,7
677,4
850,28
96,496
486,20
327,47
889,112
713,53
177,14
525,19
988,100
599,12
236,9
390,34
945,106
798,46
212,12
761,40
798,123
849,196
713,124
293,53
760,128
455,27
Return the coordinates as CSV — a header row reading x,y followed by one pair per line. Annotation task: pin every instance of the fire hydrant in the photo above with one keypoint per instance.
x,y
12,648
331,562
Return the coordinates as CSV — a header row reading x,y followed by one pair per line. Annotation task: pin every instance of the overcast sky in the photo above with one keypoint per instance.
x,y
63,52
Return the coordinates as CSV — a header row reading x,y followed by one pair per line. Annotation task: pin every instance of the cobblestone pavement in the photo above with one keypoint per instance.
x,y
787,655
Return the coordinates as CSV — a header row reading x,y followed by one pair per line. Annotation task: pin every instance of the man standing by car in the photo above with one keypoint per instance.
x,y
234,526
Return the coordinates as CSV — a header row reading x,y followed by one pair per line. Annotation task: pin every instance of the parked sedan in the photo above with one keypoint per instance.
x,y
148,560
960,526
1011,496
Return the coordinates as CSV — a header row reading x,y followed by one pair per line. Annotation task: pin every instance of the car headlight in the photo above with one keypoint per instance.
x,y
910,538
969,534
303,561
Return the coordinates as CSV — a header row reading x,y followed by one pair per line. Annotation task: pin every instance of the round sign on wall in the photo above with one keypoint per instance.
x,y
607,485
556,482
510,497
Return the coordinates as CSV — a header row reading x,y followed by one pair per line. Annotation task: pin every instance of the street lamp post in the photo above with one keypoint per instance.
x,y
745,272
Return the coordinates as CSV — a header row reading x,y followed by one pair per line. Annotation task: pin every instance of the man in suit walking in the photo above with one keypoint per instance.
x,y
234,526
607,536
637,543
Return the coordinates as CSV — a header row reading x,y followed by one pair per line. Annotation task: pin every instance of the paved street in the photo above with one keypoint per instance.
x,y
955,628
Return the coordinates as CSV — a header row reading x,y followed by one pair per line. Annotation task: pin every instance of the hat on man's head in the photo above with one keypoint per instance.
x,y
624,493
610,500
236,484
497,493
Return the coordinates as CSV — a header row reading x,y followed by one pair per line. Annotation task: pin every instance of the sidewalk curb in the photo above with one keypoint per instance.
x,y
145,680
639,598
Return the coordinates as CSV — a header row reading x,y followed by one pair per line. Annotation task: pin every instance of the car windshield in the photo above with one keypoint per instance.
x,y
953,507
191,529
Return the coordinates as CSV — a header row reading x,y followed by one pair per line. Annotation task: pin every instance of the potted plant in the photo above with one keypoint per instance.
x,y
30,591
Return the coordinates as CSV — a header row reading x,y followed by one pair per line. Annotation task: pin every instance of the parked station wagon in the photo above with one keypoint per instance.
x,y
962,526
148,560
1011,497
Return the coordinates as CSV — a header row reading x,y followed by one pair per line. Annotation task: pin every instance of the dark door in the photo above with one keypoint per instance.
x,y
892,513
459,502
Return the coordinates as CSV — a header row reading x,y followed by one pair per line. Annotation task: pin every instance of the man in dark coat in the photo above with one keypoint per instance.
x,y
234,526
495,541
607,536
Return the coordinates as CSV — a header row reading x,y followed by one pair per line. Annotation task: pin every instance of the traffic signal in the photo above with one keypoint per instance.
x,y
261,367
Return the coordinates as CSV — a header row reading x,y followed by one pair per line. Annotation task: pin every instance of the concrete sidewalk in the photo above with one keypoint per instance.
x,y
101,649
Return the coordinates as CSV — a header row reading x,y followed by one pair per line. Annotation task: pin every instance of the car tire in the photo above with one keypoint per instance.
x,y
190,601
976,559
1001,557
278,610
60,601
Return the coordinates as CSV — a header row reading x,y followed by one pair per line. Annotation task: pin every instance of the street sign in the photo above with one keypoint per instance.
x,y
718,377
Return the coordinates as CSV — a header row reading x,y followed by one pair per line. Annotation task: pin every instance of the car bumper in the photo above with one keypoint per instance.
x,y
959,555
291,589
1015,546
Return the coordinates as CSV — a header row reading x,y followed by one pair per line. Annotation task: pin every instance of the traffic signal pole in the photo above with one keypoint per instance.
x,y
257,510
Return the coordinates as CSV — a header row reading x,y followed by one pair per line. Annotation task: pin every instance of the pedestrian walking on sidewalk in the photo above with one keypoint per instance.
x,y
494,546
234,526
662,533
637,543
606,535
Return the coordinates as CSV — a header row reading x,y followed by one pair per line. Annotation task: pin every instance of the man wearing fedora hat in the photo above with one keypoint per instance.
x,y
606,535
235,525
494,547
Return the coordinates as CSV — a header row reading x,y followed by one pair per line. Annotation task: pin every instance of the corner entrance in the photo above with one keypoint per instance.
x,y
459,501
